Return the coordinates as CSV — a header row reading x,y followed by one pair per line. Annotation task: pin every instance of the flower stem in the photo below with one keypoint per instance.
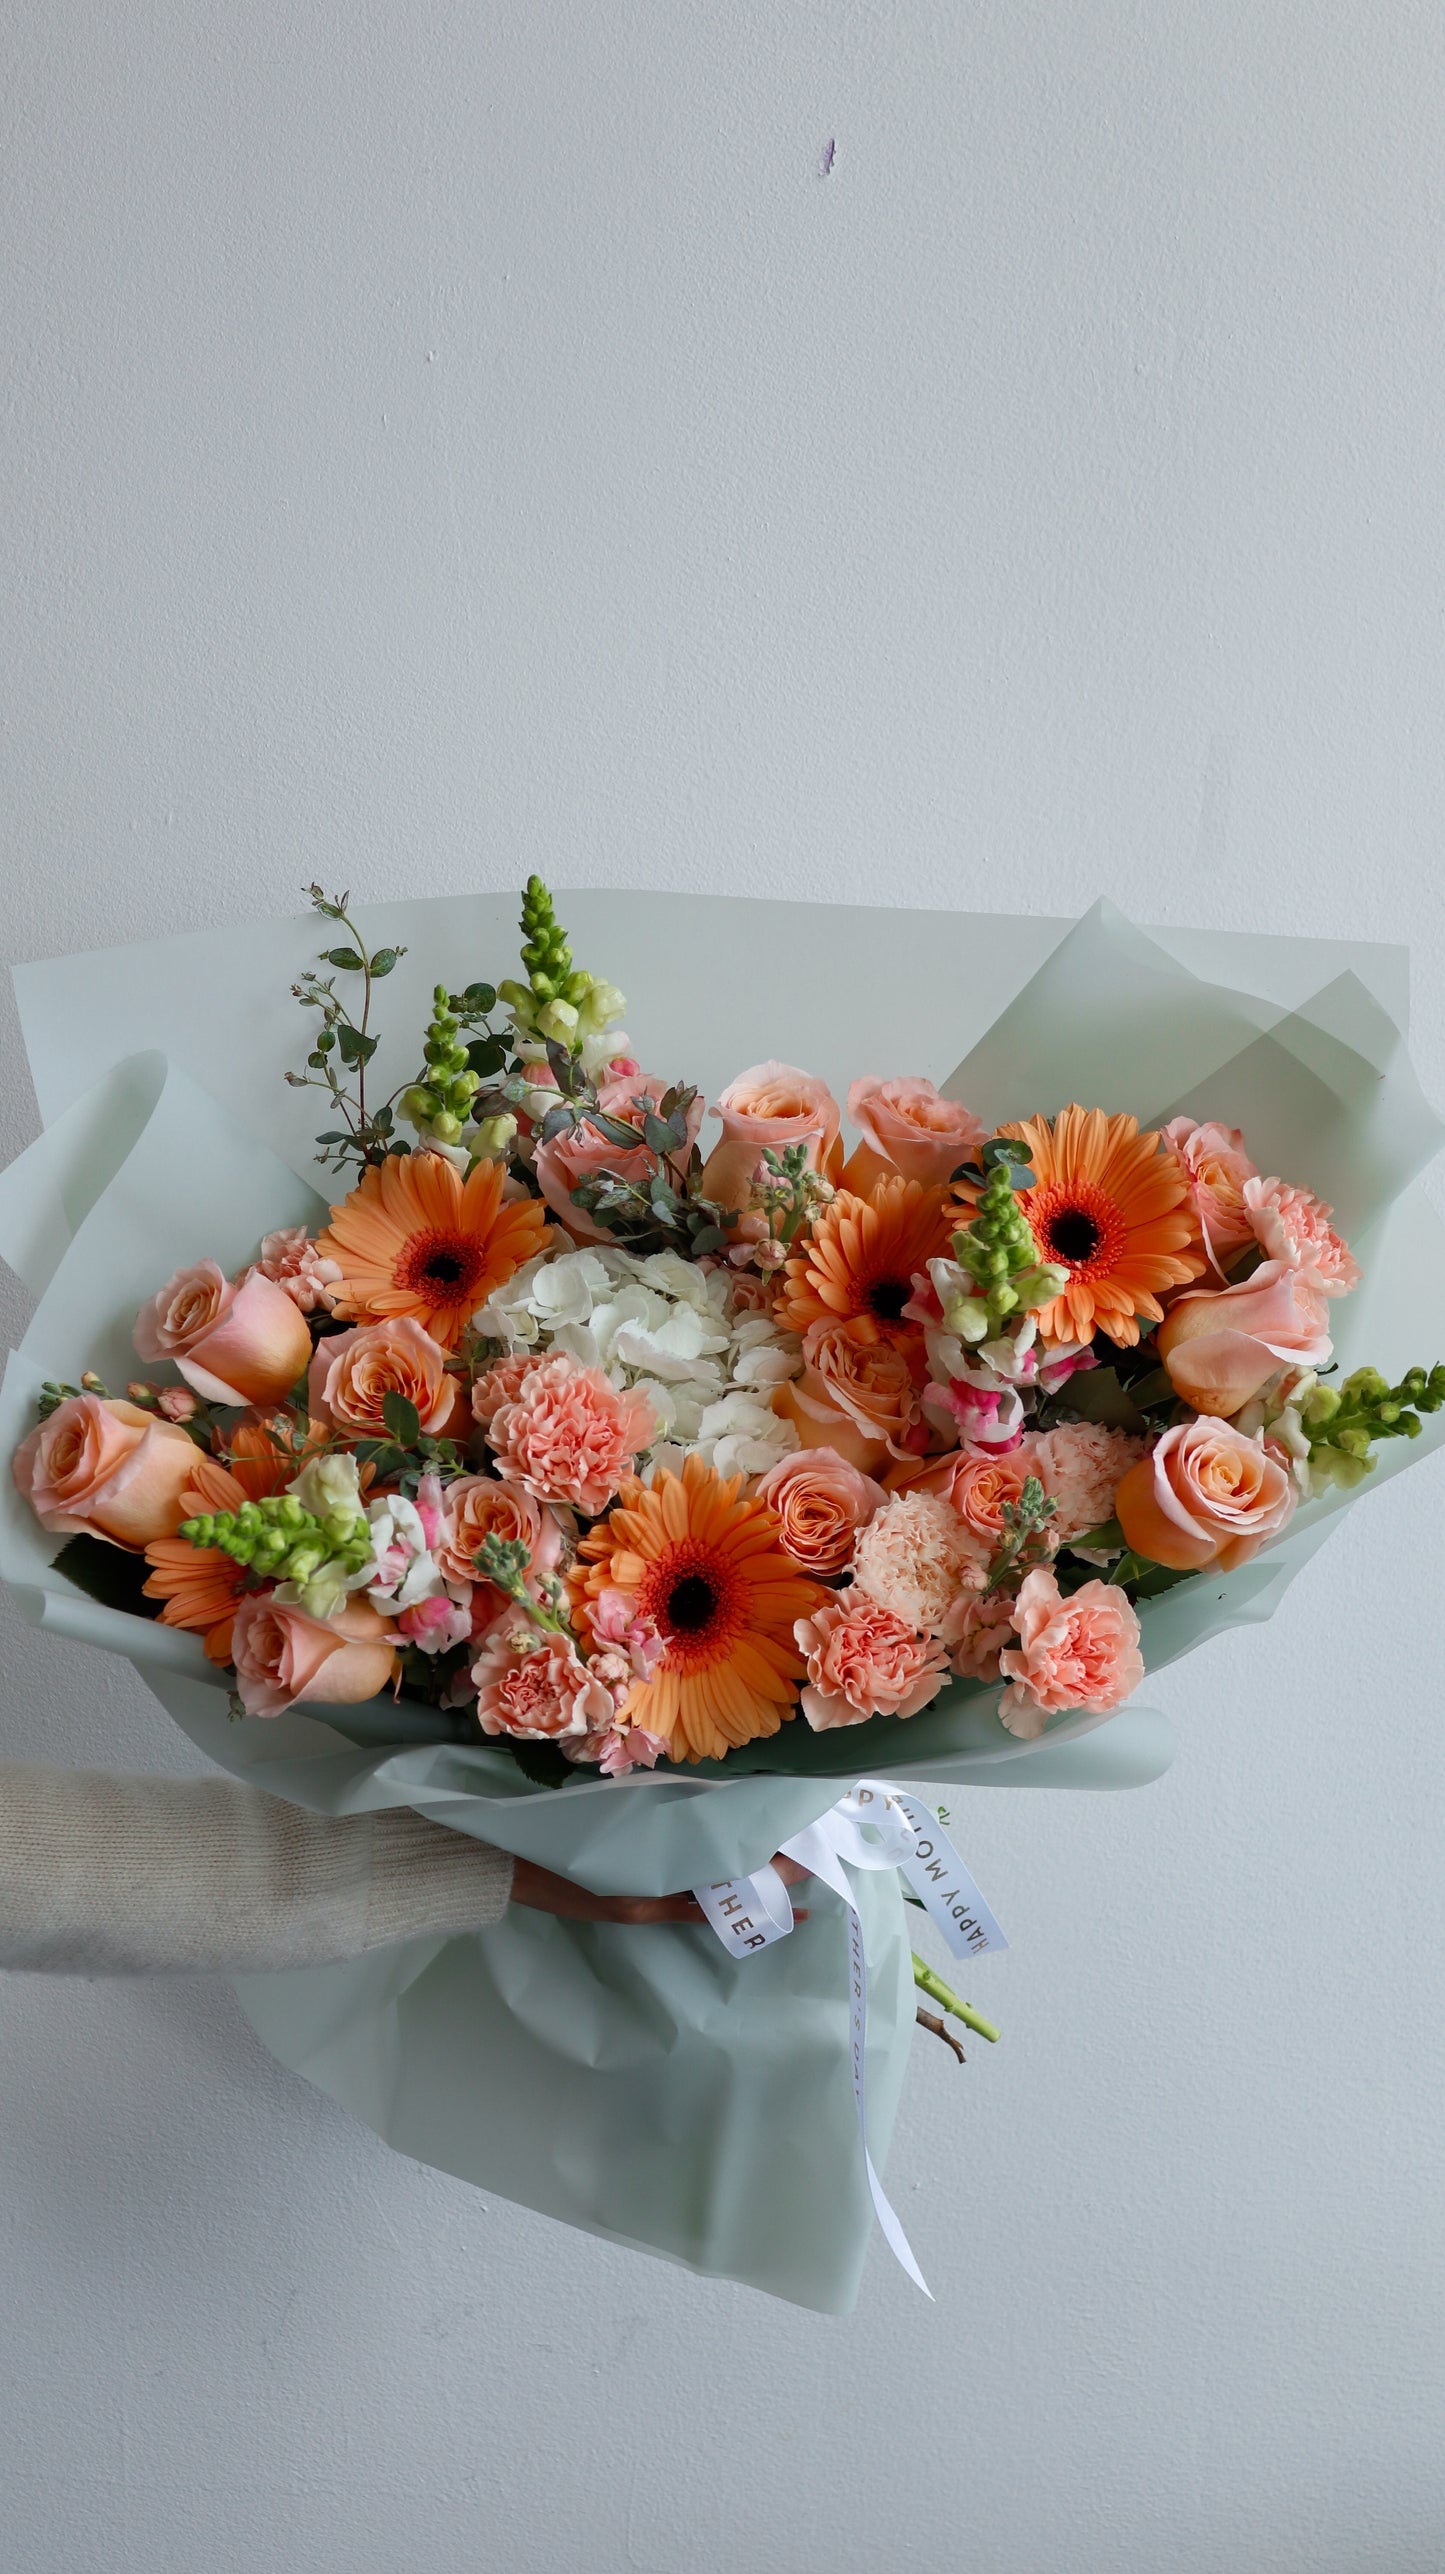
x,y
937,1991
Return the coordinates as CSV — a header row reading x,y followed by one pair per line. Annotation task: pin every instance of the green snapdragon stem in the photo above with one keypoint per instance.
x,y
937,1991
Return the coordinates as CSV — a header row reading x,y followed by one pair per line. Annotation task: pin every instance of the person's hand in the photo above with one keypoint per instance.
x,y
548,1894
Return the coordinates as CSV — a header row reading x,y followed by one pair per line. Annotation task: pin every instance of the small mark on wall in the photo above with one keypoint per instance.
x,y
827,156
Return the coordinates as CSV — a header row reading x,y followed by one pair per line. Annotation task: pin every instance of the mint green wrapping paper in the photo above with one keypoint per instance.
x,y
648,2087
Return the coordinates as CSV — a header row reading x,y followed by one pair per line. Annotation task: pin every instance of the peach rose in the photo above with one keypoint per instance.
x,y
352,1374
1293,1225
243,1343
980,1484
537,1686
917,1558
772,1104
104,1468
908,1126
1220,1345
1079,1652
1207,1494
586,1151
570,1436
477,1506
822,1501
1217,1168
863,1661
282,1656
856,1397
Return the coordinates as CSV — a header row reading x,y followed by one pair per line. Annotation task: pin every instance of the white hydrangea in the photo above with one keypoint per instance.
x,y
667,1325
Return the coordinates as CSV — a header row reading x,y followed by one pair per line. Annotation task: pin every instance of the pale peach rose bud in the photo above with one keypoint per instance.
x,y
177,1403
283,1656
772,1104
907,1125
1221,1345
822,1501
104,1468
241,1343
1206,1494
352,1374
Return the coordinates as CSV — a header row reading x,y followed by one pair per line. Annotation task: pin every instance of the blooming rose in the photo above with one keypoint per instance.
x,y
856,1397
537,1685
583,1152
863,1661
1217,1168
981,1485
569,1436
1293,1225
821,1502
1207,1494
1079,1652
243,1343
294,1262
773,1104
477,1506
282,1655
106,1468
1221,1345
918,1559
908,1126
352,1374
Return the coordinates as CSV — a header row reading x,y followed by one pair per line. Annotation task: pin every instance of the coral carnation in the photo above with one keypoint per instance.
x,y
569,1436
863,1661
1079,1652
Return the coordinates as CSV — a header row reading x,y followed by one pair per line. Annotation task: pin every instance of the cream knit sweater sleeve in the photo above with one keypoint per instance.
x,y
101,1875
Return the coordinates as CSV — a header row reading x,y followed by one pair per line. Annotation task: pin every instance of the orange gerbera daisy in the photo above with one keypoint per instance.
x,y
416,1238
709,1569
1113,1211
860,1260
202,1588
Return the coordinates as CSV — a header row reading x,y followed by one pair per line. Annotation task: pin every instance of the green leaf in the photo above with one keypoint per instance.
x,y
483,998
402,1419
1095,1394
355,1048
346,958
383,961
660,1136
542,1763
334,1135
1106,1539
486,1055
110,1574
708,1237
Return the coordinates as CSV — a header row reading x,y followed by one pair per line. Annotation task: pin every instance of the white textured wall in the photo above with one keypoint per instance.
x,y
444,441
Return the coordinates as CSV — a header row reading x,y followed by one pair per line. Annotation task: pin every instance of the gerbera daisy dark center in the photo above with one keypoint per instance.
x,y
692,1593
443,1266
691,1603
888,1296
1073,1235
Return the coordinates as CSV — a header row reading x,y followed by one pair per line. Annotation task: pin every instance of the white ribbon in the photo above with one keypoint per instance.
x,y
872,1827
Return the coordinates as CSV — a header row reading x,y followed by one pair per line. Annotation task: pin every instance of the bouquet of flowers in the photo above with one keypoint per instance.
x,y
569,1450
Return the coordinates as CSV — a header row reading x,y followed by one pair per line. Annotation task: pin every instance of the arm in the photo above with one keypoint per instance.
x,y
102,1875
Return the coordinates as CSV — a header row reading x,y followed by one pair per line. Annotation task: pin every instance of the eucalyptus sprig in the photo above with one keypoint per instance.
x,y
660,1208
345,1039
